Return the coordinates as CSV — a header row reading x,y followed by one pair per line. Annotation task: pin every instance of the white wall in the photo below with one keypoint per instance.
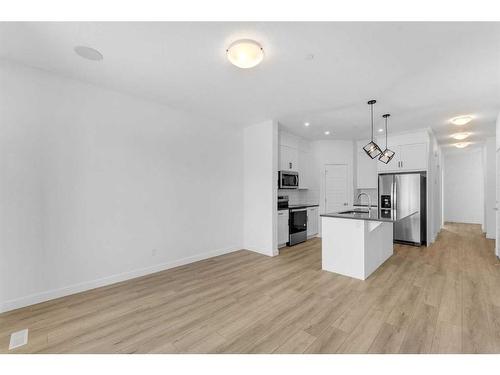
x,y
490,188
97,186
463,186
497,190
434,193
260,232
331,152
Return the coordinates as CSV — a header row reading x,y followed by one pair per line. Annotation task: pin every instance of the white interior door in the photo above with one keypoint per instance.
x,y
336,187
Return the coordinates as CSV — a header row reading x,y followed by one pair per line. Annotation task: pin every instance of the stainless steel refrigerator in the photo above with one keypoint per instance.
x,y
404,193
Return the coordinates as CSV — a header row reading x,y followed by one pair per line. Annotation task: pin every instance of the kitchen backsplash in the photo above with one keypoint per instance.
x,y
296,196
371,192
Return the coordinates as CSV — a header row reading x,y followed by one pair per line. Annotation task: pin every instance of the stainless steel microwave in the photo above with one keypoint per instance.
x,y
288,180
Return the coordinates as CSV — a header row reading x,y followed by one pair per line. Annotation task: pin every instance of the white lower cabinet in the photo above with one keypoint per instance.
x,y
312,221
282,227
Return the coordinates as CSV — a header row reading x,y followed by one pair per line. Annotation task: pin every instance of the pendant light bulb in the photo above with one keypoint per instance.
x,y
372,149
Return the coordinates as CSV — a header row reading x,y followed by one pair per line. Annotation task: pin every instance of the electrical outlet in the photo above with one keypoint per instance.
x,y
153,252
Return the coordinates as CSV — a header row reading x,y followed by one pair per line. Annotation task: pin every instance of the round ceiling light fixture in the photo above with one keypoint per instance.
x,y
461,120
461,144
460,136
245,53
306,124
327,132
88,53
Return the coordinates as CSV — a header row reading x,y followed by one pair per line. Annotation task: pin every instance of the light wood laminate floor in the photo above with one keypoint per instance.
x,y
441,299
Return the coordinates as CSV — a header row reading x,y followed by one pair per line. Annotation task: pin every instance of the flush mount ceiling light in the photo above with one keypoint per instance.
x,y
306,124
460,136
386,155
88,53
372,149
327,132
461,120
380,130
245,53
461,144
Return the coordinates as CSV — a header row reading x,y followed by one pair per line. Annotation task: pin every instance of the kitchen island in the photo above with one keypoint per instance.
x,y
356,242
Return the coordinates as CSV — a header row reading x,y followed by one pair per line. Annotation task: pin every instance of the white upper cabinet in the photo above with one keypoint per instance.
x,y
411,152
294,155
366,177
413,156
393,165
289,140
289,159
305,169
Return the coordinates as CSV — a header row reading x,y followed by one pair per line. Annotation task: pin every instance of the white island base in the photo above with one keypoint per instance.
x,y
355,248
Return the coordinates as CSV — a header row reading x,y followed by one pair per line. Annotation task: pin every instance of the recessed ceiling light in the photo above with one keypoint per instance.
x,y
461,144
88,53
306,124
245,53
327,132
460,136
461,120
380,130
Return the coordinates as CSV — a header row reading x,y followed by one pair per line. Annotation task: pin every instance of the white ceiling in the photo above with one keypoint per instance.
x,y
421,73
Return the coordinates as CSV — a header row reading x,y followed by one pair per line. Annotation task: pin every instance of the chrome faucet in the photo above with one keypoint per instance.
x,y
369,200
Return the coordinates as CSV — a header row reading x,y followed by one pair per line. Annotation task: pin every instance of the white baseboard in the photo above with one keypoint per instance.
x,y
108,280
259,251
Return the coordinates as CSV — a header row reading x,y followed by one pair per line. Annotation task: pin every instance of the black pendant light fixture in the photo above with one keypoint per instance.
x,y
372,148
387,154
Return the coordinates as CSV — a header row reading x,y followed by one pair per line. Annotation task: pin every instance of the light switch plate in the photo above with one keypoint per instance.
x,y
18,339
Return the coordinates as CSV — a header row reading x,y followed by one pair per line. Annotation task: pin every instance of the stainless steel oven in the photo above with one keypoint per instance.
x,y
297,227
288,180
